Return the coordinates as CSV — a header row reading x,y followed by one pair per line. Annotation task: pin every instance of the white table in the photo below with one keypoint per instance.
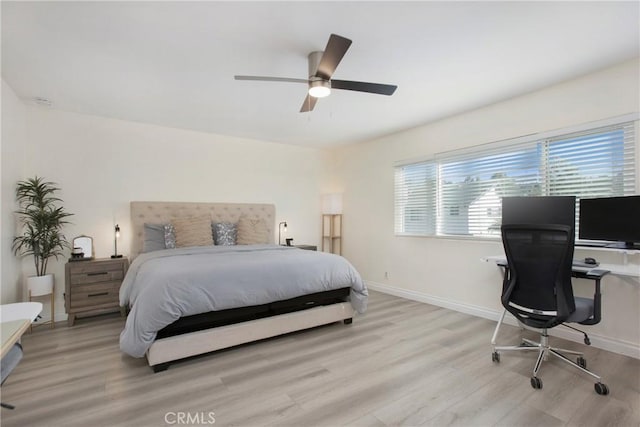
x,y
15,319
20,310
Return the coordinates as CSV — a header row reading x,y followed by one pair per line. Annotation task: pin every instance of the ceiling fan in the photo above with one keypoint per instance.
x,y
322,65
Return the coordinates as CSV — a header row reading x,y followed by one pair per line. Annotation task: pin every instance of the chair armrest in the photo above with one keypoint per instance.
x,y
596,275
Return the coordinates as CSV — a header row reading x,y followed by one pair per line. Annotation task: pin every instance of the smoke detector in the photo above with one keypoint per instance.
x,y
44,102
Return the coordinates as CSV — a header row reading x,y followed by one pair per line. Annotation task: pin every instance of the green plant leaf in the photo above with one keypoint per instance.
x,y
42,220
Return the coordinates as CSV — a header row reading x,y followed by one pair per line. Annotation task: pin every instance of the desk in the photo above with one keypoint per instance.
x,y
628,269
15,319
597,272
11,333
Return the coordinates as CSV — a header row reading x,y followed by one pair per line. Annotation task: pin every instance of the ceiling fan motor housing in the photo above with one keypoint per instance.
x,y
318,87
314,61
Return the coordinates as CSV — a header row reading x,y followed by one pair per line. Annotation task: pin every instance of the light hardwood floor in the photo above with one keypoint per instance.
x,y
403,363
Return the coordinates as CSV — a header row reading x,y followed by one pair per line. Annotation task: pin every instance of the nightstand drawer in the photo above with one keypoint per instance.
x,y
92,272
95,289
98,300
96,277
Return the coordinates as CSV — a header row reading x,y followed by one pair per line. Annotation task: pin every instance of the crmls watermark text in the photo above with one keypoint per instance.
x,y
189,418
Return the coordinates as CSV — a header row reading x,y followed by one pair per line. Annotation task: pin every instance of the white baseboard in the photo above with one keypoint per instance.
x,y
59,317
625,348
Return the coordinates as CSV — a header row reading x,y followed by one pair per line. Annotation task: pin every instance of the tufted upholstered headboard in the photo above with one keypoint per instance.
x,y
163,212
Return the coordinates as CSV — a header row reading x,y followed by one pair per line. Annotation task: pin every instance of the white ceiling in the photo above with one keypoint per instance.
x,y
172,63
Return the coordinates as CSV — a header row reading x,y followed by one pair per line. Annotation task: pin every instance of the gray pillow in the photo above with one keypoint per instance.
x,y
169,236
153,238
225,233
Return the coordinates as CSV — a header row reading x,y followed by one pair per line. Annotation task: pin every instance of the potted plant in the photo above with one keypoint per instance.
x,y
42,219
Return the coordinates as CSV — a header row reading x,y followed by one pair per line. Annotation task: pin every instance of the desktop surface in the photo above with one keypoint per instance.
x,y
11,331
628,270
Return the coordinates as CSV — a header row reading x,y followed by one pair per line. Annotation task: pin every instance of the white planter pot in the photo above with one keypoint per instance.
x,y
40,285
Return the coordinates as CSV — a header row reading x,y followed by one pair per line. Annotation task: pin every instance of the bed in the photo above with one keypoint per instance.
x,y
192,300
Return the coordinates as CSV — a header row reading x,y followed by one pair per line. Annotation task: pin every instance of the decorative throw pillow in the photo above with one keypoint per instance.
x,y
153,238
225,233
169,236
193,231
252,231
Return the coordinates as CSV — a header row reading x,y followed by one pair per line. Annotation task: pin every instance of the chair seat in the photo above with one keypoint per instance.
x,y
584,310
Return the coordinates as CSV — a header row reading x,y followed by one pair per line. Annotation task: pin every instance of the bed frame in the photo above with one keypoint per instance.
x,y
172,348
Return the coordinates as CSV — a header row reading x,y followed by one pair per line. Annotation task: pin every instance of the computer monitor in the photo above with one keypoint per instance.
x,y
611,219
540,210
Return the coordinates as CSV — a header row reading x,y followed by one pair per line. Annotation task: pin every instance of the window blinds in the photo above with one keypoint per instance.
x,y
459,193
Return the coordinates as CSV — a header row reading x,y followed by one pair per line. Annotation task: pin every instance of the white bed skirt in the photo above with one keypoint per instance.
x,y
180,346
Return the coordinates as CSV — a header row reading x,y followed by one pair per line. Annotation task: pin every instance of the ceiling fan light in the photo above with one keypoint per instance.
x,y
319,88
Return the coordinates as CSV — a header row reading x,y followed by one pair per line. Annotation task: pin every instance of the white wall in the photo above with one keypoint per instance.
x,y
449,271
102,164
14,136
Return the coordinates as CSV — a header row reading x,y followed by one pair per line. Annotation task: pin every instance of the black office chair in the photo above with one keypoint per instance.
x,y
537,291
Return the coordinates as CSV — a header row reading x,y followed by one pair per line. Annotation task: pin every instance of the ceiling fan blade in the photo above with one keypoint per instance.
x,y
336,48
308,104
376,88
271,79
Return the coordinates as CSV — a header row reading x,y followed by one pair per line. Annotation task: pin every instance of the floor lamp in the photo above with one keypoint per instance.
x,y
332,223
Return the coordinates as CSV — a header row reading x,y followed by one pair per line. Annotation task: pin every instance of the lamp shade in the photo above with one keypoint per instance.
x,y
332,204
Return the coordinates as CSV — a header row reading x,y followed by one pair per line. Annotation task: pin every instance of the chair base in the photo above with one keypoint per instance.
x,y
544,350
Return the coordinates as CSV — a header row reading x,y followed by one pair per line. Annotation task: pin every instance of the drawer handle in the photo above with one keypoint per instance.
x,y
98,274
100,294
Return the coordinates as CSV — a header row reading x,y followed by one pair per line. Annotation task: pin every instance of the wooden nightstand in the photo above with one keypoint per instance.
x,y
93,287
307,247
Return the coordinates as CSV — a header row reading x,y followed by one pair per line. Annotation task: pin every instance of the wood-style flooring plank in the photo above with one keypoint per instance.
x,y
404,363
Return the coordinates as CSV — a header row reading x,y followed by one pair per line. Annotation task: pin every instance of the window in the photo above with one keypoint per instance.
x,y
459,193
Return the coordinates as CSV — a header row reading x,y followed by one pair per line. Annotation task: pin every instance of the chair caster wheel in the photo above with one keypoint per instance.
x,y
536,383
495,357
601,389
582,362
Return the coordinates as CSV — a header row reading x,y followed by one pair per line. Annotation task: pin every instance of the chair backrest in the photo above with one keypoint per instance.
x,y
537,287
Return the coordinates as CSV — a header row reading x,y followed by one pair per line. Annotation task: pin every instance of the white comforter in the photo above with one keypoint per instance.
x,y
160,287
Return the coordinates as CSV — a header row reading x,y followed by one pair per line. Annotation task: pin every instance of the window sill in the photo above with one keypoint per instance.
x,y
495,238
